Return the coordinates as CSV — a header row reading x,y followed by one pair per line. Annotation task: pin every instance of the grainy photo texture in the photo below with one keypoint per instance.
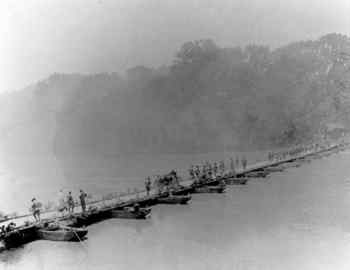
x,y
174,134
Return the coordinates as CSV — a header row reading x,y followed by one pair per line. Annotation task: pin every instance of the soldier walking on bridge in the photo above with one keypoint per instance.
x,y
70,202
36,206
148,185
82,198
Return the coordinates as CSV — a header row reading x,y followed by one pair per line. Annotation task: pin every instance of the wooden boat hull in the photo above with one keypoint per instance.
x,y
127,214
209,189
184,191
236,181
62,234
19,237
216,182
174,200
258,174
273,169
89,218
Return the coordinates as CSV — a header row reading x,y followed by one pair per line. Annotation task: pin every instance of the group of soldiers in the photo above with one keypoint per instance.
x,y
163,183
212,170
207,170
65,203
197,173
297,150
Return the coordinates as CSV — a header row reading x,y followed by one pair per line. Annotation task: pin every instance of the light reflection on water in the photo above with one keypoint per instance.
x,y
297,219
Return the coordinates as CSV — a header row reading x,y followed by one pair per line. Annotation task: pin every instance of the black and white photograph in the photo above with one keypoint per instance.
x,y
174,135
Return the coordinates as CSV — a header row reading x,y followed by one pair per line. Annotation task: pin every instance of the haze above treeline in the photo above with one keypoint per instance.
x,y
38,37
210,98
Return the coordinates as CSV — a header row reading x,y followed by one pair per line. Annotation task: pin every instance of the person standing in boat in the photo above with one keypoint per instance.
x,y
36,206
70,202
82,197
148,185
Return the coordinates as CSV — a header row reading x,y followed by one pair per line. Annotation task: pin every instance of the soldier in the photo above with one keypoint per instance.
x,y
191,172
232,165
244,163
222,167
215,169
148,185
174,178
82,198
70,202
197,171
36,206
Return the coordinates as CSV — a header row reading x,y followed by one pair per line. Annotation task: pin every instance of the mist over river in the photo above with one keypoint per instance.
x,y
296,219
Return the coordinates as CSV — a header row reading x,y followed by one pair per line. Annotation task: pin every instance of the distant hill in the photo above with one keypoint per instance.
x,y
210,98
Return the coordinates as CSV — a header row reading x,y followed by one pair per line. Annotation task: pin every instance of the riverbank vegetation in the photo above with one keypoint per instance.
x,y
209,98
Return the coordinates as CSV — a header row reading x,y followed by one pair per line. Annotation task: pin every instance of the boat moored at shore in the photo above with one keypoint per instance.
x,y
175,199
128,213
209,189
55,232
236,181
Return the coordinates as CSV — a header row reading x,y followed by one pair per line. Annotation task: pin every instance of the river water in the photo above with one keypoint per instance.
x,y
296,219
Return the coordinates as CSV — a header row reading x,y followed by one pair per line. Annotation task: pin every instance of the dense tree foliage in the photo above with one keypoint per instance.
x,y
210,98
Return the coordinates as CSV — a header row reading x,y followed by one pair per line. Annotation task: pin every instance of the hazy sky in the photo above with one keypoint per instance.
x,y
39,37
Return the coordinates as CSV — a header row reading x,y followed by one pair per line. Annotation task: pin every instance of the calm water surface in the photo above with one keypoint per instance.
x,y
297,219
